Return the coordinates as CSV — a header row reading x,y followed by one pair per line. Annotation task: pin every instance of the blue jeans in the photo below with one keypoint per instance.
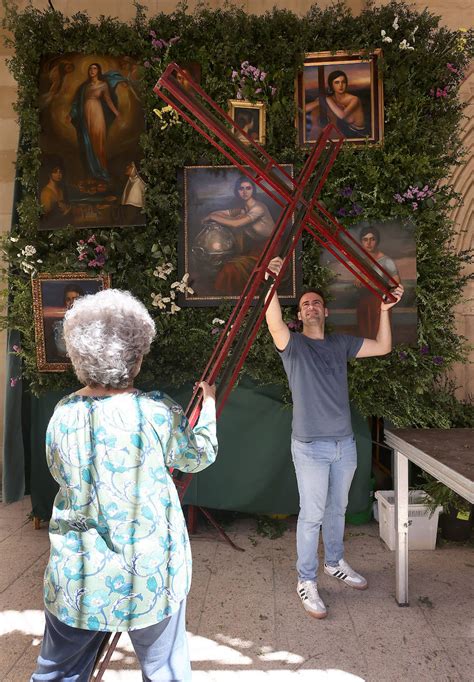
x,y
68,654
324,472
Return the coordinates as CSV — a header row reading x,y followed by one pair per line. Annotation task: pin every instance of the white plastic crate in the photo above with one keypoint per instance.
x,y
421,530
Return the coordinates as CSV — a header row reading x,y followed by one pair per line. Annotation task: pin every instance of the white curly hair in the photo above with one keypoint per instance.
x,y
107,334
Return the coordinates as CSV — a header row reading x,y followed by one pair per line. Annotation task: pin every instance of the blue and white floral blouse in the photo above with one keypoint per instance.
x,y
120,556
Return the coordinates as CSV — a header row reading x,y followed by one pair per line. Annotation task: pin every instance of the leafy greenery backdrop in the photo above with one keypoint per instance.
x,y
422,69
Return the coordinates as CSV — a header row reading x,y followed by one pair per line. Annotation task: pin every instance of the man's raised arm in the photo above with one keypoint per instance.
x,y
277,328
382,344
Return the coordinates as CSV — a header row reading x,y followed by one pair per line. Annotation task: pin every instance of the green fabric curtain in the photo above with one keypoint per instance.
x,y
253,472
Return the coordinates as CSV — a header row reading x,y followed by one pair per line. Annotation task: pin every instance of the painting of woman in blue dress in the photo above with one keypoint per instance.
x,y
91,117
94,108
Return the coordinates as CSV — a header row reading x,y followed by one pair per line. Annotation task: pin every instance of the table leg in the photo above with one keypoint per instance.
x,y
401,528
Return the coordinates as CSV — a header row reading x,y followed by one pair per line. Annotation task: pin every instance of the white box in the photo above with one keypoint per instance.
x,y
421,529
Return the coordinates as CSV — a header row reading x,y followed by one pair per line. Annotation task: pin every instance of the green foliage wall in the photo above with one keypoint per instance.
x,y
422,69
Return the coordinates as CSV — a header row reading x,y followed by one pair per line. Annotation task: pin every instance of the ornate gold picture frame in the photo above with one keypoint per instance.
x,y
53,295
343,89
251,117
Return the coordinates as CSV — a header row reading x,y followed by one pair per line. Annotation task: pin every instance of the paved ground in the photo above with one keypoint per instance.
x,y
245,621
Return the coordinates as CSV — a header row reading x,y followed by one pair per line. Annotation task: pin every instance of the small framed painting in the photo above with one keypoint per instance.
x,y
343,89
250,117
53,295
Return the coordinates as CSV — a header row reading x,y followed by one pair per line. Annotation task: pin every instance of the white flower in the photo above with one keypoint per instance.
x,y
14,239
162,271
29,250
385,37
404,45
182,286
158,301
174,308
395,24
216,320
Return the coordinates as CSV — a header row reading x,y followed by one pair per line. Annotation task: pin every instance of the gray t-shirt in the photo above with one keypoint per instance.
x,y
317,374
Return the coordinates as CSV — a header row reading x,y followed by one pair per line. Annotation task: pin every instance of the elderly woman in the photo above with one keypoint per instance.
x,y
120,558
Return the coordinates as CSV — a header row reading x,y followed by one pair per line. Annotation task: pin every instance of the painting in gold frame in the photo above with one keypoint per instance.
x,y
53,295
251,117
343,89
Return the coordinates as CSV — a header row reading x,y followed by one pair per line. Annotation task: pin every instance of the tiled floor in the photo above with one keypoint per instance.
x,y
245,621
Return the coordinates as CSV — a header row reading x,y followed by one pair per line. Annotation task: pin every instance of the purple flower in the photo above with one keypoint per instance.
x,y
402,355
215,330
13,382
16,349
346,191
273,91
425,349
234,75
438,360
356,209
153,34
263,75
258,91
146,64
342,212
398,198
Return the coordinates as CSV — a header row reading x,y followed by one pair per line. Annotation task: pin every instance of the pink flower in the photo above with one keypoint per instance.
x,y
91,239
452,68
13,382
16,349
99,249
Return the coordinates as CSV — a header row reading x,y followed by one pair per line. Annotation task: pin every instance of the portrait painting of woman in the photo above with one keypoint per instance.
x,y
53,296
354,308
227,222
341,89
92,118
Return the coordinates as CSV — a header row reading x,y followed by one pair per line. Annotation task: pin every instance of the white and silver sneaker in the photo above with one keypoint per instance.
x,y
347,574
312,602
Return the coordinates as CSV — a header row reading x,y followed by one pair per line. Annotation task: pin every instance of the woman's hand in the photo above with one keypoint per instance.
x,y
207,390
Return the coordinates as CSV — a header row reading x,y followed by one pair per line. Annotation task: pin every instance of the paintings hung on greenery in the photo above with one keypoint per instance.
x,y
250,116
91,120
226,223
354,309
53,295
343,89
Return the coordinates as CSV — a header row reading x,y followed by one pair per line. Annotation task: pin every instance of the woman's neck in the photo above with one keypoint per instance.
x,y
104,390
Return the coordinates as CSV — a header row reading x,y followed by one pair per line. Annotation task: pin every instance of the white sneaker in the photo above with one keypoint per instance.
x,y
347,574
312,602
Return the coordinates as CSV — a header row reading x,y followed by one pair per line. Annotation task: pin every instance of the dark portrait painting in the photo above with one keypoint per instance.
x,y
354,309
226,223
53,295
91,120
341,89
250,117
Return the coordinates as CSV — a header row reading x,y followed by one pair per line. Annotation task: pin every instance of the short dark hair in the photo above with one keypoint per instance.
x,y
310,290
72,287
332,77
370,230
240,180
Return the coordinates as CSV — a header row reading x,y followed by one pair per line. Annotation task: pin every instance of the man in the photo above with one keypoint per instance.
x,y
322,444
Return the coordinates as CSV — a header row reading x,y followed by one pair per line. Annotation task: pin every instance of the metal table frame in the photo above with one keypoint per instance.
x,y
404,452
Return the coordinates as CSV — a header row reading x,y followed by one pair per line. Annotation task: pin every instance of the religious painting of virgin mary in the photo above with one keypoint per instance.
x,y
91,119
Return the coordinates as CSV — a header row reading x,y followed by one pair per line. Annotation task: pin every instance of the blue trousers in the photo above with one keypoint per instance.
x,y
68,654
324,472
